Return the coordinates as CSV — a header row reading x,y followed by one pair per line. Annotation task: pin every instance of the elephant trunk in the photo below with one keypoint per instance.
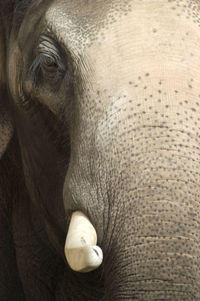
x,y
155,254
149,152
154,267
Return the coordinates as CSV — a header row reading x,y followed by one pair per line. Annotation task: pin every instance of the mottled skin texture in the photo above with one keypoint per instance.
x,y
116,135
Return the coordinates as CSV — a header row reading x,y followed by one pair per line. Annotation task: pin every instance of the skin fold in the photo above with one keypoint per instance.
x,y
101,114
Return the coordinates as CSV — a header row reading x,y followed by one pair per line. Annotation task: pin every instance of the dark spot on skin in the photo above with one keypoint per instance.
x,y
147,74
154,30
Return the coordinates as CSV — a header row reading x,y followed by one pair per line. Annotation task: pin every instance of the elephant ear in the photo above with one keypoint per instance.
x,y
6,127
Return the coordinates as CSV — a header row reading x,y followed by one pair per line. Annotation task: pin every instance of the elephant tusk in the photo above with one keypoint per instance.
x,y
81,251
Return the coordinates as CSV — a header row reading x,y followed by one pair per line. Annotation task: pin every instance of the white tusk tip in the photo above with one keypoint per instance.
x,y
84,259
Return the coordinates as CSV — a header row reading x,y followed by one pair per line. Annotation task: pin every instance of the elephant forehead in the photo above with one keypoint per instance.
x,y
152,38
80,21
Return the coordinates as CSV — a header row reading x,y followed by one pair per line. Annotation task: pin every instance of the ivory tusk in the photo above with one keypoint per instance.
x,y
81,251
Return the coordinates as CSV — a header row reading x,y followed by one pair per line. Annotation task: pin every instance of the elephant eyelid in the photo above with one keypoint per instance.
x,y
48,47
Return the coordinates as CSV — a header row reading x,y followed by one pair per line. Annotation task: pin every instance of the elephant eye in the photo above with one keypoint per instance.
x,y
48,63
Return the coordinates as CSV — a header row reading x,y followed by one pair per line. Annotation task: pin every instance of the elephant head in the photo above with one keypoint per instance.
x,y
103,98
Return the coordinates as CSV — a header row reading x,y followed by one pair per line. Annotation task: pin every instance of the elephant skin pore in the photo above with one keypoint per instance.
x,y
100,114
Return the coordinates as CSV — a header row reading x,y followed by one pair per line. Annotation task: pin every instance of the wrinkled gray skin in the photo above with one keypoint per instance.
x,y
109,125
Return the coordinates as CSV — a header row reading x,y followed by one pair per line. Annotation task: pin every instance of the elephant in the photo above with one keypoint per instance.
x,y
99,150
